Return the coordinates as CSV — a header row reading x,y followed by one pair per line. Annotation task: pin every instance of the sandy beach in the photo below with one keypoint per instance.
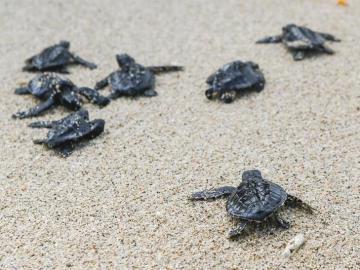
x,y
120,202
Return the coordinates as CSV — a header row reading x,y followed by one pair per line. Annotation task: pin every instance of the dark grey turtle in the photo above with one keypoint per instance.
x,y
133,79
301,40
55,59
65,133
254,200
54,90
233,78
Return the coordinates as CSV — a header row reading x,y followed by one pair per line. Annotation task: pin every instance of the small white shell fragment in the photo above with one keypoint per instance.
x,y
294,245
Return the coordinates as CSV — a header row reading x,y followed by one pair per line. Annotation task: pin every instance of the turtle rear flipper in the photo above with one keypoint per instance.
x,y
329,37
65,150
83,62
93,96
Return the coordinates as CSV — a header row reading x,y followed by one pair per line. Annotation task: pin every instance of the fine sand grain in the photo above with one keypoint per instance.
x,y
120,202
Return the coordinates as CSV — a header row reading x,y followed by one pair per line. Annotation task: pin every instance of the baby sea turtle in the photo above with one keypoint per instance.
x,y
133,79
254,200
55,59
301,40
54,90
65,133
233,78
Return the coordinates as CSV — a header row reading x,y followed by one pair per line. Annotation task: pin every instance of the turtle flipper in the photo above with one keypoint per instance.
x,y
329,37
228,97
164,69
22,91
281,222
65,150
83,62
35,111
271,39
293,201
102,84
237,230
298,55
93,96
212,194
42,124
150,93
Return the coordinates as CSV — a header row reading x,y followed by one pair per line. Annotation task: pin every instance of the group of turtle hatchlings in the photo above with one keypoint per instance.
x,y
254,200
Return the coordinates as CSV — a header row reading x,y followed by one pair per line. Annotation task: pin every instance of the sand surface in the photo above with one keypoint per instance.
x,y
120,202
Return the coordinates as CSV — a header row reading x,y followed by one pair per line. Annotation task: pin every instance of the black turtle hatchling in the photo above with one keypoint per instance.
x,y
133,79
55,59
65,133
254,200
54,90
233,78
301,40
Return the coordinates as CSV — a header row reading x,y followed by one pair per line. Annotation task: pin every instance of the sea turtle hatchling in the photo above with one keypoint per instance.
x,y
301,40
54,90
55,58
233,78
254,200
65,133
133,79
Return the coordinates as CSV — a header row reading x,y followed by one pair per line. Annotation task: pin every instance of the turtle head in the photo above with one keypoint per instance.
x,y
65,44
124,60
251,175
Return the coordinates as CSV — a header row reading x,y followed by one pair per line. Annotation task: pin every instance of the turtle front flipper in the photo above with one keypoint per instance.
x,y
42,124
271,39
22,91
102,84
35,111
212,194
228,96
235,232
211,94
164,69
293,201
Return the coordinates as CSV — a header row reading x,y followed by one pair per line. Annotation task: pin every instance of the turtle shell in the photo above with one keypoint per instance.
x,y
302,38
74,128
237,76
51,57
131,80
42,85
255,199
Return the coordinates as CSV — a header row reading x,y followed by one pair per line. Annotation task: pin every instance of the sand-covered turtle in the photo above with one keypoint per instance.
x,y
55,58
234,78
301,40
254,200
133,79
54,90
65,133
